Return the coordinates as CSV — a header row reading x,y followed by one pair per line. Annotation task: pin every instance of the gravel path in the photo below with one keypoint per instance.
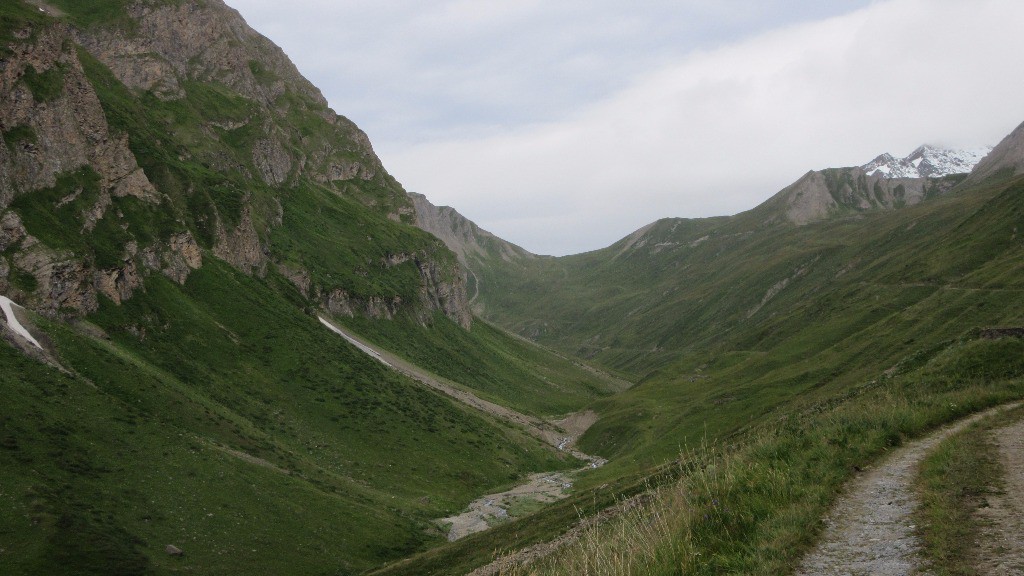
x,y
869,530
1001,542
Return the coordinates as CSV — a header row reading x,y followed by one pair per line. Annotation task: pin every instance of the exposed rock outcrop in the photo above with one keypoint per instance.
x,y
1005,160
241,246
445,290
60,132
460,234
251,118
840,191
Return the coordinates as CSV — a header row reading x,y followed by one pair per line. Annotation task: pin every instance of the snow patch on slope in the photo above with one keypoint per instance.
x,y
8,306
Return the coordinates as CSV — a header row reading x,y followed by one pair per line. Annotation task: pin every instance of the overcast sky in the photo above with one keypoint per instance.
x,y
564,125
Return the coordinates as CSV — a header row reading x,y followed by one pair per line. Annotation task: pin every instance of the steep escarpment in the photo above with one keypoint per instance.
x,y
485,257
1004,161
139,143
844,191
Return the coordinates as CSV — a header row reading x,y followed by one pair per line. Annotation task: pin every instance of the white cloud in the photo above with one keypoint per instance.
x,y
721,130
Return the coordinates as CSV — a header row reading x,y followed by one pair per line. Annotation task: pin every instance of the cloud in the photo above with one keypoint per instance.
x,y
720,130
415,70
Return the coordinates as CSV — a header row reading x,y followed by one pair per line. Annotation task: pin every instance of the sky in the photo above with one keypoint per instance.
x,y
564,125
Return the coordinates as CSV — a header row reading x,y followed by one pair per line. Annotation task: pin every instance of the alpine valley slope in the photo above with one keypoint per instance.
x,y
177,204
832,281
795,342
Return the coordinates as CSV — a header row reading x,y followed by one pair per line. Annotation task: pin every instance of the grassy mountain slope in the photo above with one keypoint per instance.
x,y
238,429
724,319
177,233
796,352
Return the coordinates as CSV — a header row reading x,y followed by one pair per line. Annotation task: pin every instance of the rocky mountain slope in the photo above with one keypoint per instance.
x,y
172,130
177,206
476,249
1005,161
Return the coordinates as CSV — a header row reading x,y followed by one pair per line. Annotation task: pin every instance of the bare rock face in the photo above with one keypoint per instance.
x,y
63,131
176,258
67,132
272,161
207,41
181,257
118,284
819,195
340,303
11,230
445,290
241,246
1006,159
65,283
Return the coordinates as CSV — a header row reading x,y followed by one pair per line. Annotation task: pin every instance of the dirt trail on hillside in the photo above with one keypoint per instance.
x,y
559,433
1001,541
539,488
869,530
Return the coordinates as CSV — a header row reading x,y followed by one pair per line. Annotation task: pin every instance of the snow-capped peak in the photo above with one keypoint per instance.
x,y
927,161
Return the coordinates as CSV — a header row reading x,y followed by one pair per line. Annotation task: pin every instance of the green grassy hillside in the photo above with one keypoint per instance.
x,y
879,334
220,418
723,320
215,413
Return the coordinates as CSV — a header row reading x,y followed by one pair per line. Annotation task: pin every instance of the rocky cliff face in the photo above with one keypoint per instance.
x,y
53,124
1005,160
842,191
460,234
136,149
477,249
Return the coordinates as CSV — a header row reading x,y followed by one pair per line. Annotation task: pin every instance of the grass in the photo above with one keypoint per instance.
x,y
881,316
220,416
17,17
493,364
46,86
17,135
122,457
953,483
755,507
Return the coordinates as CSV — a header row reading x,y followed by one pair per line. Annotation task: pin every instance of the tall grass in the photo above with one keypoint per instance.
x,y
756,507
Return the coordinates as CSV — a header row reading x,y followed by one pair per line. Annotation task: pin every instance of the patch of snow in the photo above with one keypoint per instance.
x,y
8,306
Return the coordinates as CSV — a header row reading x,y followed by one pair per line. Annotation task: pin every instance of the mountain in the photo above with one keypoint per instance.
x,y
684,284
147,135
795,338
1006,159
927,162
178,208
837,192
760,303
475,248
182,217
